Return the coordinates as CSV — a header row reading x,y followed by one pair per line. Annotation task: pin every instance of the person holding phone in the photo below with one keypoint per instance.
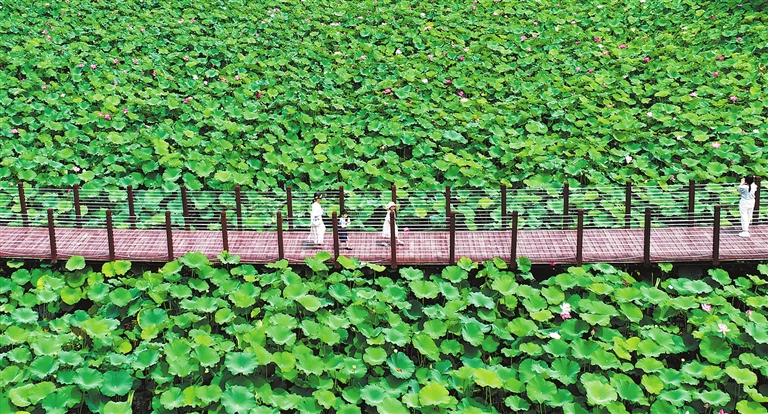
x,y
747,190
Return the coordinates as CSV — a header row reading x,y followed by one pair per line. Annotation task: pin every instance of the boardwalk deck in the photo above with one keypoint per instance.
x,y
674,244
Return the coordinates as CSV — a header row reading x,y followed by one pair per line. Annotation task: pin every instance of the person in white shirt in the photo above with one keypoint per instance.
x,y
317,227
747,190
344,222
386,232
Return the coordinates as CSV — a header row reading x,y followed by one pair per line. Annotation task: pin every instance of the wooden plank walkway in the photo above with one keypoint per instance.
x,y
674,244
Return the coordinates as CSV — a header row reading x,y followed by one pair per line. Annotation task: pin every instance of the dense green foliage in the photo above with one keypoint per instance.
x,y
368,93
472,338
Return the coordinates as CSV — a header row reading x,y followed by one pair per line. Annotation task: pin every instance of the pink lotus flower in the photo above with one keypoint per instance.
x,y
734,98
186,57
523,37
738,39
461,93
578,68
590,70
535,23
80,65
692,94
387,91
622,46
720,57
448,81
461,58
107,117
565,315
552,264
115,61
649,114
125,110
596,39
628,159
14,131
647,59
186,100
749,312
715,145
76,168
44,31
721,412
723,329
398,52
114,83
605,52
224,80
154,73
715,74
258,95
47,37
45,87
93,66
430,56
706,307
237,77
672,177
363,57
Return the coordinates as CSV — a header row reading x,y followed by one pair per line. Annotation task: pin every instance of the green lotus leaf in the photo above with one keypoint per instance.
x,y
599,393
487,378
516,403
434,394
237,399
750,407
390,405
426,346
715,350
310,302
116,383
63,399
120,297
400,365
24,315
715,398
116,268
75,263
43,366
742,376
758,332
87,378
206,356
540,390
423,289
241,362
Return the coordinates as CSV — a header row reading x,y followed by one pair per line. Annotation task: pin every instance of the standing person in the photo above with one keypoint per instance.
x,y
747,190
317,227
386,232
344,222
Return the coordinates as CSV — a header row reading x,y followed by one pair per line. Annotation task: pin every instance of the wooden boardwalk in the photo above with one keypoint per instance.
x,y
673,244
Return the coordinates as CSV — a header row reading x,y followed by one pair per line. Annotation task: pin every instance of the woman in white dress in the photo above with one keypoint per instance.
x,y
386,232
747,190
317,227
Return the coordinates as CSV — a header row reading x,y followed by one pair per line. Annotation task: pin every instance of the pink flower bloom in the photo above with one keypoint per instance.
x,y
125,110
107,117
535,23
565,315
461,93
628,159
577,42
237,77
738,39
387,91
186,100
649,114
45,87
749,312
115,61
47,37
93,66
398,52
578,68
715,145
135,61
461,57
647,59
224,80
622,46
194,77
430,56
605,52
76,168
723,329
706,307
363,57
720,57
590,70
154,73
523,37
672,177
258,95
44,31
186,57
14,131
715,74
734,99
692,94
447,81
80,65
596,39
114,83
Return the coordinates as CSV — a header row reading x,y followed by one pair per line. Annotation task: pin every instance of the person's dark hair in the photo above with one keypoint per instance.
x,y
343,212
749,179
318,196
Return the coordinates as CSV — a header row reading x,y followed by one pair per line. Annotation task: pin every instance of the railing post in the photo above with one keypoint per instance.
x,y
239,207
169,235
566,204
392,239
716,238
110,236
224,233
452,244
513,253
447,200
335,220
627,204
23,205
185,206
757,201
503,206
579,236
52,235
691,201
341,198
647,238
76,192
131,210
280,248
289,204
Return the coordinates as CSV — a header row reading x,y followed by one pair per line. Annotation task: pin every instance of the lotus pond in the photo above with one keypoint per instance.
x,y
367,93
192,336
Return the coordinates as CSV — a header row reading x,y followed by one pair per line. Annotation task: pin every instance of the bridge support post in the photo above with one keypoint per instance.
x,y
579,236
131,209
335,221
341,198
52,235
185,207
289,204
392,239
503,206
169,235
647,238
110,236
280,247
691,202
224,232
23,205
447,200
513,255
76,193
566,205
757,202
393,189
627,204
452,243
239,207
716,237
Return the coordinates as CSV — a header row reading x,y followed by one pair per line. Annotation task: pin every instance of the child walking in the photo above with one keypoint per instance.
x,y
317,227
344,222
747,190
